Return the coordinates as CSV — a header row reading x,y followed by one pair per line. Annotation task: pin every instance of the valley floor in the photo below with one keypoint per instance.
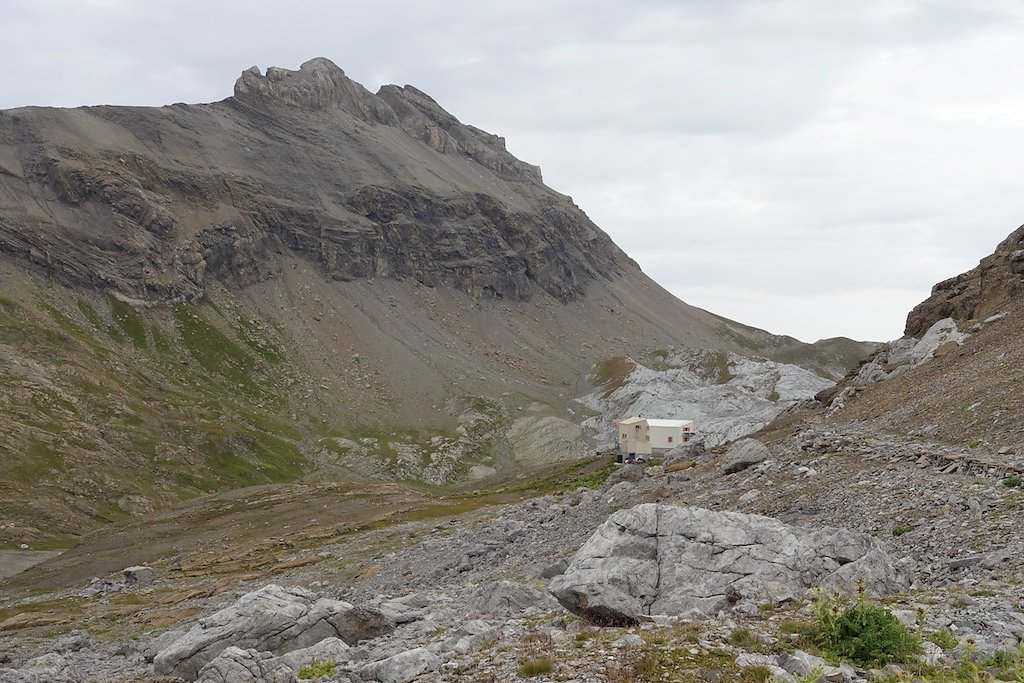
x,y
465,587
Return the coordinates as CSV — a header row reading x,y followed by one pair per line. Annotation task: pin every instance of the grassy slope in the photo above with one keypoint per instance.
x,y
830,358
112,410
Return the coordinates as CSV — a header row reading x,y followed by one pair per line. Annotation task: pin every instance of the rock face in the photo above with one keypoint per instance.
x,y
662,559
155,202
976,294
273,619
895,358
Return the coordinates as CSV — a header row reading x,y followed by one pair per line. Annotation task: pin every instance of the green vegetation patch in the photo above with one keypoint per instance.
x,y
41,459
130,322
214,351
317,669
714,365
246,458
612,373
862,633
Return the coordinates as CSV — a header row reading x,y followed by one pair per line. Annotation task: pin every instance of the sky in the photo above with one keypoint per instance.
x,y
811,167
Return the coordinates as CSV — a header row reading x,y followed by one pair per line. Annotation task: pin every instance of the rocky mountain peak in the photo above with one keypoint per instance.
x,y
318,84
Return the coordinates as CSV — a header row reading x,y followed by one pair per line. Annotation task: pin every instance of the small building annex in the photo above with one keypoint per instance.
x,y
643,436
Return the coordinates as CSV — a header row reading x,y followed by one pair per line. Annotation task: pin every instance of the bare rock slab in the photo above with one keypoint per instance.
x,y
235,665
663,559
402,667
271,619
743,454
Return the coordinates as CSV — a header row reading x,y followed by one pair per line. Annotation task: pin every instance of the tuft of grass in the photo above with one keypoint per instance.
x,y
537,666
745,638
756,674
1012,482
943,638
317,669
901,529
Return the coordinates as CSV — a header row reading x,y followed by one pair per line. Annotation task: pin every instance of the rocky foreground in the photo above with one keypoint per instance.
x,y
701,568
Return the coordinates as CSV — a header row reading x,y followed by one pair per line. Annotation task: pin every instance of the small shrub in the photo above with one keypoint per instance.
x,y
536,667
1012,482
901,529
317,669
863,633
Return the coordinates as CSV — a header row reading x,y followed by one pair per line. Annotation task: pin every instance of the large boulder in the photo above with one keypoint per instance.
x,y
693,450
661,559
235,665
402,667
743,454
507,598
271,619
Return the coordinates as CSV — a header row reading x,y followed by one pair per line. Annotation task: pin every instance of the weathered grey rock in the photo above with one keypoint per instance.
x,y
802,663
553,570
661,559
402,667
630,473
329,649
752,659
272,619
505,598
235,665
138,576
693,450
72,642
749,497
362,623
50,668
743,454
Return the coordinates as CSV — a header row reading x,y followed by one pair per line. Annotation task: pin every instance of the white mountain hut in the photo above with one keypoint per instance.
x,y
644,436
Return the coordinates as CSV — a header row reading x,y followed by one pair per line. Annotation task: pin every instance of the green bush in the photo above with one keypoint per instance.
x,y
316,669
862,633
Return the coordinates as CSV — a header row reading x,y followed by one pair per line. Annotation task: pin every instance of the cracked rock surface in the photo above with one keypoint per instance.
x,y
664,559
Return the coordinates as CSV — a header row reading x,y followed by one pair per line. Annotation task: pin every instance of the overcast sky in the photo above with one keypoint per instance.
x,y
811,167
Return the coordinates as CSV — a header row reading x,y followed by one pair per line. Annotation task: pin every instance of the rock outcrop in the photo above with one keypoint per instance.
x,y
663,559
743,454
271,619
976,294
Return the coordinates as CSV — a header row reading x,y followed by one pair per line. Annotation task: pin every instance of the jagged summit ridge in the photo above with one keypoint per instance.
x,y
319,84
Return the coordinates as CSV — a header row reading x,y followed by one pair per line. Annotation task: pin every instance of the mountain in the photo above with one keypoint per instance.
x,y
306,282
